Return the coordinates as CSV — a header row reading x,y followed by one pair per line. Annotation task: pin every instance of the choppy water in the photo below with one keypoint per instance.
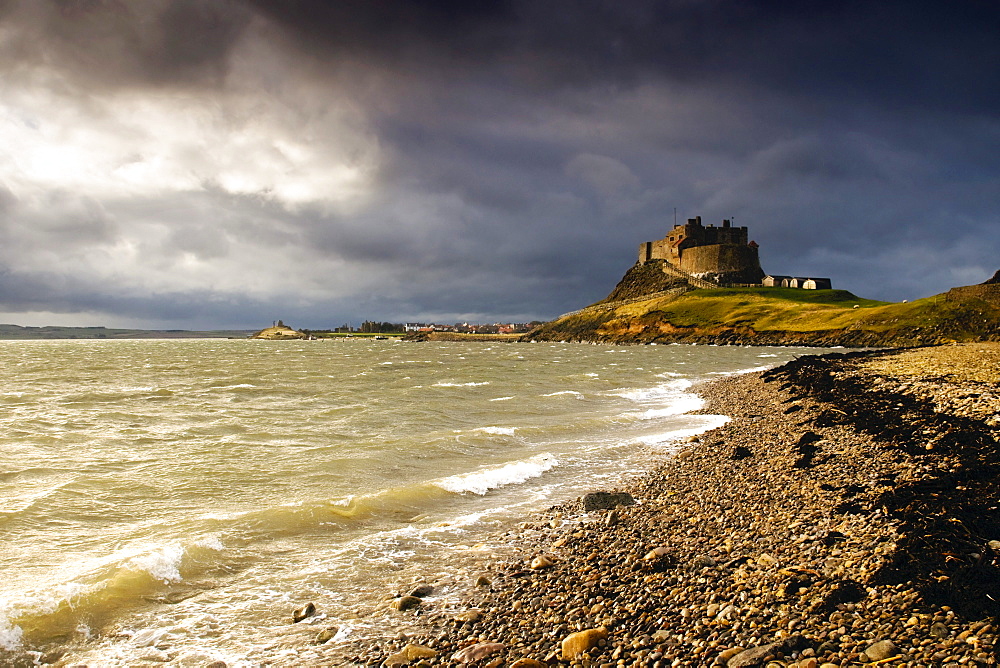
x,y
172,501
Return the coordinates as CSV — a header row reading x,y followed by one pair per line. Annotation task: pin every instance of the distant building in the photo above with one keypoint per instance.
x,y
797,282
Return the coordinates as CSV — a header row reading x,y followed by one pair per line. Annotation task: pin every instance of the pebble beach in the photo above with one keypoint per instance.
x,y
847,515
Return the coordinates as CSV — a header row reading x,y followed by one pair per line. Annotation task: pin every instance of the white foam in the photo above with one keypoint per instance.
x,y
500,431
685,403
502,399
10,634
240,386
767,355
163,563
740,372
702,424
211,542
473,384
671,390
556,394
492,477
149,637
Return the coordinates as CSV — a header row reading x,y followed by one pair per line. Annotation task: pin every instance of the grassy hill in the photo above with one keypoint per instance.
x,y
783,316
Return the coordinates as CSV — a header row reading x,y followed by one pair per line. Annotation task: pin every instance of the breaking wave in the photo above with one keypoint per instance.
x,y
493,477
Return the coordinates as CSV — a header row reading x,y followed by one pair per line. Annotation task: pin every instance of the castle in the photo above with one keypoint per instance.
x,y
719,255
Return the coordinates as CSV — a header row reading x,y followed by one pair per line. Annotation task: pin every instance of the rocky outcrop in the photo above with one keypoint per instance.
x,y
644,279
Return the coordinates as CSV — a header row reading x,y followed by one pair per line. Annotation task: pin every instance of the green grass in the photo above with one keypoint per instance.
x,y
835,297
762,309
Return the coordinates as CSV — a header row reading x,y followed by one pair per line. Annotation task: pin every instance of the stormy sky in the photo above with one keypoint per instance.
x,y
209,164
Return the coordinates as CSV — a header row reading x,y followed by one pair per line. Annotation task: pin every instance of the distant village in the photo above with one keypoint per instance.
x,y
373,327
473,328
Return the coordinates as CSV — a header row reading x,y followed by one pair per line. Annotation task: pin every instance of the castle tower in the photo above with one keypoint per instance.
x,y
722,255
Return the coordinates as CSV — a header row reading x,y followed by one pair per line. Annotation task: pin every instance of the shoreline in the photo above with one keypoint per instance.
x,y
845,516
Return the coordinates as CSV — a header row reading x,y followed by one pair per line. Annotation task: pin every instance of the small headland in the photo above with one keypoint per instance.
x,y
279,332
847,515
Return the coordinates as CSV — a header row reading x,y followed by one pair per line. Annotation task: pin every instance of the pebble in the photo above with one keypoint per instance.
x,y
326,635
305,612
883,649
478,652
404,603
575,644
540,562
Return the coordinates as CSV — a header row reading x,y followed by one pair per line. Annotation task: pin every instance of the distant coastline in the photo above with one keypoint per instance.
x,y
17,332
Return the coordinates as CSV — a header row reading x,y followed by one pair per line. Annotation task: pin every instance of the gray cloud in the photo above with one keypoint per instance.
x,y
178,162
113,43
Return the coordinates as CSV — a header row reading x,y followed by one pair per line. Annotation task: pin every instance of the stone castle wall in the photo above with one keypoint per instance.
x,y
656,250
719,259
721,254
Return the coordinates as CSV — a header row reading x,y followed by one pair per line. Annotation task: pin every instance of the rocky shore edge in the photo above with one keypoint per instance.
x,y
847,515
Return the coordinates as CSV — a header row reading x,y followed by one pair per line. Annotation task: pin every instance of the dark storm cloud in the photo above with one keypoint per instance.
x,y
113,43
408,159
926,53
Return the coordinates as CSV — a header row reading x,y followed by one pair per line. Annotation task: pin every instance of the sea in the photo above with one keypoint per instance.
x,y
172,502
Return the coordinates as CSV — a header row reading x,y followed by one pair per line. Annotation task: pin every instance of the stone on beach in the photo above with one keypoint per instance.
x,y
305,612
326,635
410,653
883,649
575,644
422,591
478,652
528,663
657,553
404,603
468,616
540,562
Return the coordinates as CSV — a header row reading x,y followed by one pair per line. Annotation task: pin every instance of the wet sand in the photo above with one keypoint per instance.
x,y
846,516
